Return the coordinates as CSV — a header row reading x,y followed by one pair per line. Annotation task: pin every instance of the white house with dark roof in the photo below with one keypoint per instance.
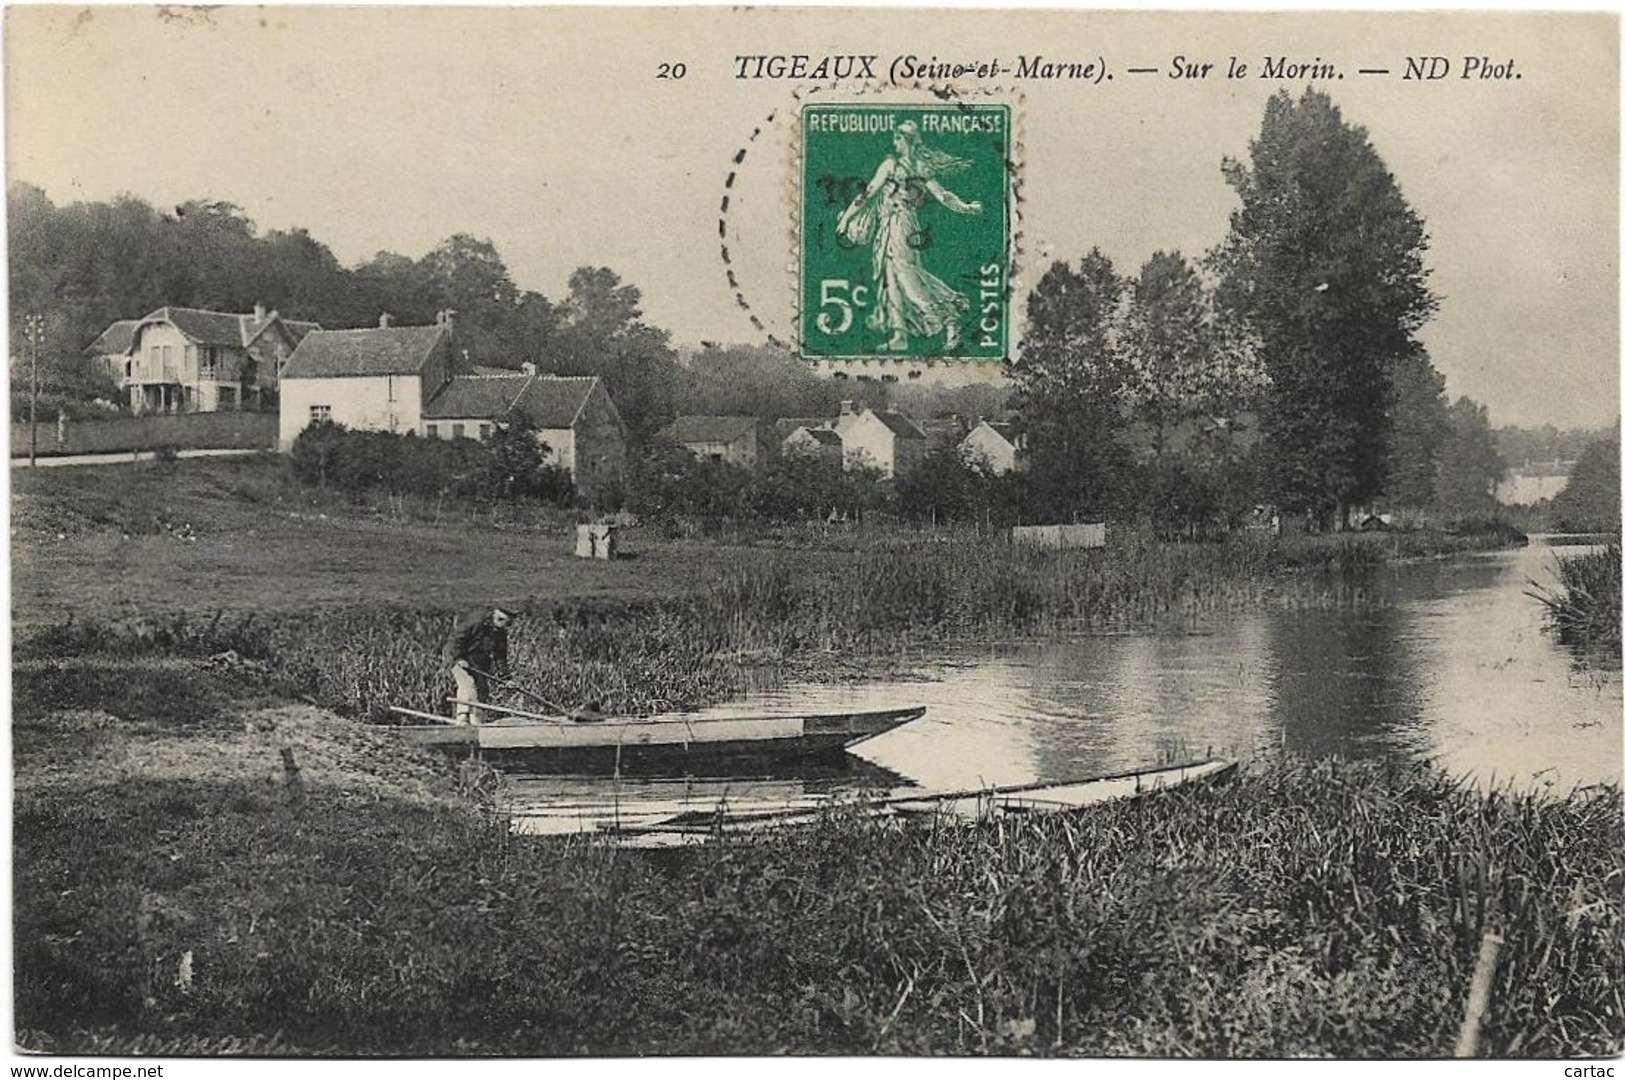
x,y
887,441
406,379
375,379
729,439
815,441
179,360
573,416
995,446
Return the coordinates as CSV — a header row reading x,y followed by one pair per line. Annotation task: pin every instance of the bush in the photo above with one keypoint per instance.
x,y
511,465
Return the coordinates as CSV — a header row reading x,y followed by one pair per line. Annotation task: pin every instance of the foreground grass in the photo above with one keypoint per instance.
x,y
1298,910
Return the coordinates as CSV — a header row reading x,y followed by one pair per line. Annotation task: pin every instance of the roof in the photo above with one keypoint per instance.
x,y
821,436
787,425
392,350
901,426
222,327
117,338
298,329
1005,431
550,401
710,429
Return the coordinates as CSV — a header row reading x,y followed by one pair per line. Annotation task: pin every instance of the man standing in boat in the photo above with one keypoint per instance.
x,y
476,650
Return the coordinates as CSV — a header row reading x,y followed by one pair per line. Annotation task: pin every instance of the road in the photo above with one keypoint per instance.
x,y
125,457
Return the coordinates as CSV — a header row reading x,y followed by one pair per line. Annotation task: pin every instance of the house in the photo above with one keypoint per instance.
x,y
406,379
729,439
887,441
375,379
995,446
181,360
573,416
110,352
817,442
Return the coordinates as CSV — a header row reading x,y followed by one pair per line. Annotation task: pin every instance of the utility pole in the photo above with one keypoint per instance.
x,y
34,333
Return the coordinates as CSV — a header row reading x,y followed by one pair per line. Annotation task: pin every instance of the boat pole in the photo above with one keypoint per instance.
x,y
1478,996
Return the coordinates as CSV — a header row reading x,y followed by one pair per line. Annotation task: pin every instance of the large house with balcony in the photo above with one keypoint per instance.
x,y
182,360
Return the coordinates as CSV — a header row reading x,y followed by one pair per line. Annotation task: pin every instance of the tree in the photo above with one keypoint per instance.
x,y
1324,261
1589,502
1469,465
603,333
1071,385
1168,346
1419,421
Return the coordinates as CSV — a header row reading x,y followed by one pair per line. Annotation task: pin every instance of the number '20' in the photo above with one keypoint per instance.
x,y
671,71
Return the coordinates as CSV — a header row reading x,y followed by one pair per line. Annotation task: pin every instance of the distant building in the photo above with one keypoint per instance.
x,y
816,442
404,379
995,446
110,352
887,441
1533,483
375,379
573,416
729,439
183,360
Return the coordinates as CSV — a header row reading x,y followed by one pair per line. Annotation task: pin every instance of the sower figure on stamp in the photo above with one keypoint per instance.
x,y
909,299
476,649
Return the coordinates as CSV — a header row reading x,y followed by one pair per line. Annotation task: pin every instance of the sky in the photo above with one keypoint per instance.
x,y
547,131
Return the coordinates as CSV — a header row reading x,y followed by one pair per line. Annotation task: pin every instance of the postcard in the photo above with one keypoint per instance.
x,y
894,533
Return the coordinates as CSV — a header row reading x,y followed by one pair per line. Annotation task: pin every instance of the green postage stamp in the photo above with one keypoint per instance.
x,y
905,231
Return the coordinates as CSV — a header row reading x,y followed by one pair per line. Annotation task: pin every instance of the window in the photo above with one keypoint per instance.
x,y
457,431
207,367
321,414
129,368
389,381
485,432
431,430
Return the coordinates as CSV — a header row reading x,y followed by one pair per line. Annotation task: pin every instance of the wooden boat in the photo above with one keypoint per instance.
x,y
625,741
677,823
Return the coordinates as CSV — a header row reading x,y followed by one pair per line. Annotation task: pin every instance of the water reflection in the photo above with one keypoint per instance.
x,y
1446,661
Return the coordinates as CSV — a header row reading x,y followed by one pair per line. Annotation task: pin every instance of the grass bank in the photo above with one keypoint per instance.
x,y
1299,910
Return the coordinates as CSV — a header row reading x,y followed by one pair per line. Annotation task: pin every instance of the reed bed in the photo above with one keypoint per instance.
x,y
1584,608
1322,909
891,596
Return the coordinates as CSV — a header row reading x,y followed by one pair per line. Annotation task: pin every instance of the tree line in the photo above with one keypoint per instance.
x,y
84,265
1281,368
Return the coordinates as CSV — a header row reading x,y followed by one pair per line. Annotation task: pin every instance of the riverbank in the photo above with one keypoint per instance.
x,y
365,904
208,557
205,864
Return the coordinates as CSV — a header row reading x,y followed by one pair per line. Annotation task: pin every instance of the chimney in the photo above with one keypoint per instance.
x,y
259,313
385,321
446,318
528,367
847,409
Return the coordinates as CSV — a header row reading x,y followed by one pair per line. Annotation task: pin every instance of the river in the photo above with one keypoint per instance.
x,y
1442,660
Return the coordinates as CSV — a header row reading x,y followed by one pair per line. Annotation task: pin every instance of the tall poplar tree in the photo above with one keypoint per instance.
x,y
1071,385
1324,260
